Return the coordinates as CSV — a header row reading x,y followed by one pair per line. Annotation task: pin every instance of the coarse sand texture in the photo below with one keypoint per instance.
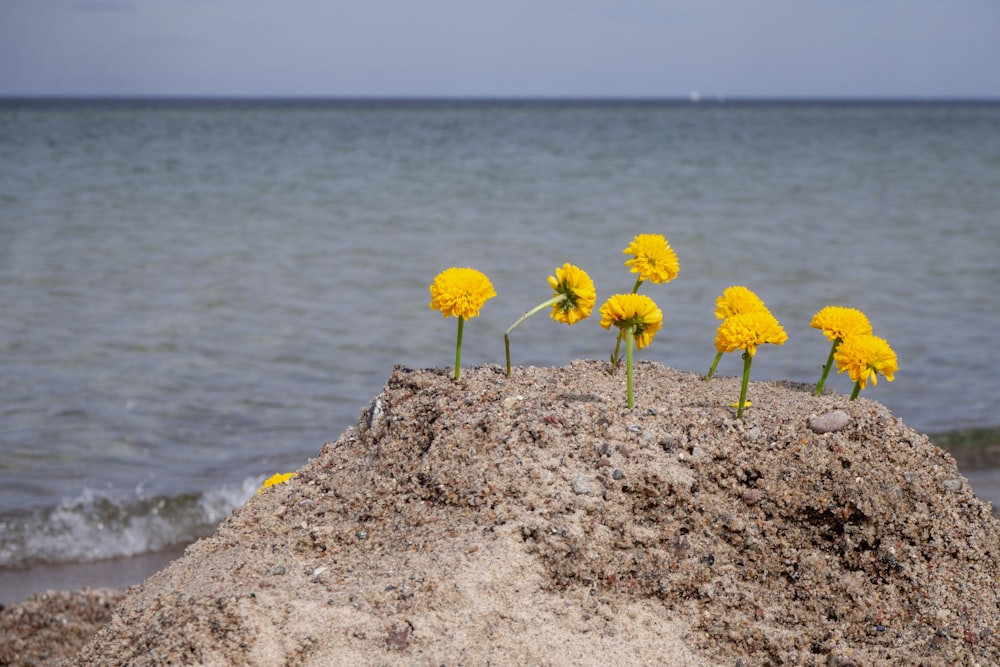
x,y
535,520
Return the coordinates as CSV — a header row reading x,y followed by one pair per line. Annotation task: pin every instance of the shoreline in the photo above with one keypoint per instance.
x,y
19,584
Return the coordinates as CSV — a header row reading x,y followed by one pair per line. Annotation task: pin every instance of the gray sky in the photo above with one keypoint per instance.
x,y
656,48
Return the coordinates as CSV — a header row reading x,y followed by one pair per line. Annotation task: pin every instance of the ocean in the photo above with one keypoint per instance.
x,y
197,294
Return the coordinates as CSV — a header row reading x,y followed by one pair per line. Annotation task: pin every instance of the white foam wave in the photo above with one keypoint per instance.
x,y
99,524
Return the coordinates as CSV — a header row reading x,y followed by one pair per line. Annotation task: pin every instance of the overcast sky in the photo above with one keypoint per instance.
x,y
648,48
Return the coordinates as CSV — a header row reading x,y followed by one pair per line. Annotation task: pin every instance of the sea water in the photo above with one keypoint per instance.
x,y
198,294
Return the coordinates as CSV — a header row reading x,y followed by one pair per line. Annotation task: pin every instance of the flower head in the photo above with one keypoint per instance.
x,y
572,301
748,330
839,323
633,310
274,480
460,292
652,258
863,357
737,300
575,285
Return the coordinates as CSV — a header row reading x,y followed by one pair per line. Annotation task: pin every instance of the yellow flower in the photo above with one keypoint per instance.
x,y
652,258
737,300
748,330
638,319
274,480
745,331
572,301
633,310
863,357
838,322
460,292
575,285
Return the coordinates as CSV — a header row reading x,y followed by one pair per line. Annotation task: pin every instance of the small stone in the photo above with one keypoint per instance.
x,y
831,422
617,474
581,485
511,401
953,484
398,637
375,412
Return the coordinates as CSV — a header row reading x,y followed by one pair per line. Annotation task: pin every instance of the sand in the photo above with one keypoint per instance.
x,y
535,520
48,628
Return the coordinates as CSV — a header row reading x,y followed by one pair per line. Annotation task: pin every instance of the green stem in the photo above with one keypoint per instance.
x,y
747,360
826,368
615,359
458,348
630,336
559,298
506,349
711,371
857,390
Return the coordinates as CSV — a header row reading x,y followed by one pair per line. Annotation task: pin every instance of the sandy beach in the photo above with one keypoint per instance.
x,y
533,519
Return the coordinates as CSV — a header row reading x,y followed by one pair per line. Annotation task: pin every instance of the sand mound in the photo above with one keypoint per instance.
x,y
535,520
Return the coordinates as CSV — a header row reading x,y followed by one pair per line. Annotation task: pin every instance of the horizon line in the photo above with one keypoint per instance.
x,y
693,98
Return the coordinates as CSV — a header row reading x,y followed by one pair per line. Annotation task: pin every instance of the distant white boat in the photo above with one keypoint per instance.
x,y
694,96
